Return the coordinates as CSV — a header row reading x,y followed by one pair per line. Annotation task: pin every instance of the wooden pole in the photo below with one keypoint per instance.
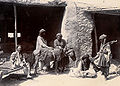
x,y
15,16
96,40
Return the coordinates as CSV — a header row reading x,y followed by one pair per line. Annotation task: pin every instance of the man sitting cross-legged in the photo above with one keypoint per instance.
x,y
18,61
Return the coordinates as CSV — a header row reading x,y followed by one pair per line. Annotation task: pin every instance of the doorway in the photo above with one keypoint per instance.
x,y
109,25
30,19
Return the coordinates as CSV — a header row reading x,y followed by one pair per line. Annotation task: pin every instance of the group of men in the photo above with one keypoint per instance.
x,y
42,50
40,53
101,62
89,66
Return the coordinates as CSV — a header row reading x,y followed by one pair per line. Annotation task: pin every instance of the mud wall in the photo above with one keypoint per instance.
x,y
76,29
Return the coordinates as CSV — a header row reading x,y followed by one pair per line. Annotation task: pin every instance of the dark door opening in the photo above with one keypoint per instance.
x,y
30,19
109,25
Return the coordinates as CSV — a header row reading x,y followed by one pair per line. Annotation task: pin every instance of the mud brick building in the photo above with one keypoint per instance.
x,y
80,22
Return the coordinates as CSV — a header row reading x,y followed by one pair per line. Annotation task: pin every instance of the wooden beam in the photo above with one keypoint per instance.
x,y
15,16
96,40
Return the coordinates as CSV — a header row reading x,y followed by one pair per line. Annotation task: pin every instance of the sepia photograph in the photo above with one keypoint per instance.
x,y
59,42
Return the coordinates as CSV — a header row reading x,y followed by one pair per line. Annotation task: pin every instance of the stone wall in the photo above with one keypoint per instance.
x,y
76,29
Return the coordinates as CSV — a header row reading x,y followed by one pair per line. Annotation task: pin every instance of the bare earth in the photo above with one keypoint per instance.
x,y
51,79
59,80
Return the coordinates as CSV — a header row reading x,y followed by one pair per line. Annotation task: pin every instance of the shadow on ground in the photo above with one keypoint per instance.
x,y
16,79
13,80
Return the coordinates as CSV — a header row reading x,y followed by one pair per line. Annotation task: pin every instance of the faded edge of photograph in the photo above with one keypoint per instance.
x,y
59,42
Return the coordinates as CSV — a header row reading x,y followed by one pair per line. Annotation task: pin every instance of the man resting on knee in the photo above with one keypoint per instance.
x,y
85,68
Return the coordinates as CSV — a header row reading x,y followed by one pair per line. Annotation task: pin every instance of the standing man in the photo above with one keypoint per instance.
x,y
104,56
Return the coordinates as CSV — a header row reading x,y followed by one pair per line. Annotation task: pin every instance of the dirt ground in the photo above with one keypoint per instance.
x,y
52,79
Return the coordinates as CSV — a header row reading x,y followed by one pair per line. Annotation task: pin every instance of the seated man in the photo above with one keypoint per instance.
x,y
42,52
18,61
60,46
85,68
59,42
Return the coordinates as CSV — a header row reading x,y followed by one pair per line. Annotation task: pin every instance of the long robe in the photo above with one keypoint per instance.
x,y
42,52
104,57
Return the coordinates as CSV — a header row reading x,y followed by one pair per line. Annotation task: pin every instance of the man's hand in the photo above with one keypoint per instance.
x,y
51,48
